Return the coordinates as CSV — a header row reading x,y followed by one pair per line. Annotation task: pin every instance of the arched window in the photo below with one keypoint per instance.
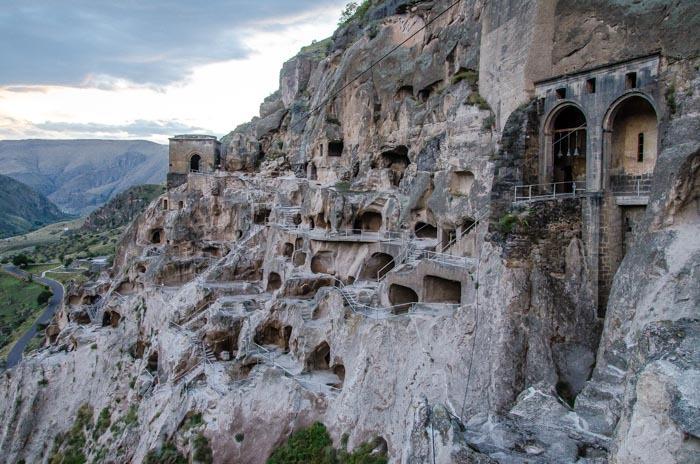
x,y
569,146
194,163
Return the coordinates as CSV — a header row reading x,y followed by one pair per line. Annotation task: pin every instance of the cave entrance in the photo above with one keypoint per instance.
x,y
425,230
396,160
377,266
195,161
274,282
312,173
335,148
323,263
402,298
439,290
568,147
111,319
262,216
320,358
369,221
223,343
156,236
447,238
152,363
273,333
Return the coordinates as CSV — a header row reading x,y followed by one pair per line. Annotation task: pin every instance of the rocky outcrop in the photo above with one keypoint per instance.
x,y
362,265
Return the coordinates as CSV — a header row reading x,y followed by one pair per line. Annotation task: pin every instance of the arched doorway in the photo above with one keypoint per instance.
x,y
195,161
630,142
567,144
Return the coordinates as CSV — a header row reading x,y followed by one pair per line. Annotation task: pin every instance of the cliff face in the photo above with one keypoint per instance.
x,y
245,305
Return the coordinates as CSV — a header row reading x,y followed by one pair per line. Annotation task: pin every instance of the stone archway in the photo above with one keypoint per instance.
x,y
195,162
402,297
565,147
630,142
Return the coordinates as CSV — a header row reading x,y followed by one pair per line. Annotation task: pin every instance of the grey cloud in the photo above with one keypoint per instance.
x,y
153,42
138,128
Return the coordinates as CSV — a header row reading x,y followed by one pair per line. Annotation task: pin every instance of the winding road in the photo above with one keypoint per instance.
x,y
55,302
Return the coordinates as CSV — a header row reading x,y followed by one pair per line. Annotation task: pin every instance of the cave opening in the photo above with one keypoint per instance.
x,y
274,282
439,290
335,148
369,221
320,358
377,266
402,298
273,333
425,230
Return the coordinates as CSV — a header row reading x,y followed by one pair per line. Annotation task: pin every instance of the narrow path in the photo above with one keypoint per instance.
x,y
55,302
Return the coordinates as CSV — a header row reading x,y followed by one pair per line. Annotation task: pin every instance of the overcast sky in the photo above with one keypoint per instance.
x,y
146,69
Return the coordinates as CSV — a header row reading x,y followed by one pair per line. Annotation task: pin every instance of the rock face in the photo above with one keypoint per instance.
x,y
362,265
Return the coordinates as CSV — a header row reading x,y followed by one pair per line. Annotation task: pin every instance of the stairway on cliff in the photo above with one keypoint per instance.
x,y
600,402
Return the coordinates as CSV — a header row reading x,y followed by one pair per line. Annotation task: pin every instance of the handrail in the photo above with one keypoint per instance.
x,y
481,214
576,188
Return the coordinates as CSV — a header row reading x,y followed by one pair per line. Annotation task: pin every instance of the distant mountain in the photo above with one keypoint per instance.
x,y
123,208
81,175
22,209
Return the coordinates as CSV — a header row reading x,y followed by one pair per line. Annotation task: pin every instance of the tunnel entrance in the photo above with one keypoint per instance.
x,y
335,148
377,266
262,216
402,298
439,290
111,319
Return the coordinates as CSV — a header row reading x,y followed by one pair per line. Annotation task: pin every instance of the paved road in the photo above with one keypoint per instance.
x,y
15,355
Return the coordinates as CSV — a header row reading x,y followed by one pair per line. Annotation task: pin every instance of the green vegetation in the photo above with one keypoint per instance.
x,y
193,420
475,99
318,49
22,209
201,451
19,308
68,448
507,223
313,445
354,12
471,76
104,420
670,95
167,454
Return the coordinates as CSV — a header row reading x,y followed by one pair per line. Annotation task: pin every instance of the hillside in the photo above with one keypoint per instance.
x,y
81,175
22,209
96,236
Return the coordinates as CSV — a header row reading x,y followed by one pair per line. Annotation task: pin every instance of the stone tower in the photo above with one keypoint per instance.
x,y
192,154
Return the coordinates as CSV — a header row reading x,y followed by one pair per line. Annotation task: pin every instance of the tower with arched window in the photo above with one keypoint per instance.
x,y
598,142
192,154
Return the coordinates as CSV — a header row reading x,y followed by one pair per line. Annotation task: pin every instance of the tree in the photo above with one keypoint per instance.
x,y
348,13
44,297
20,260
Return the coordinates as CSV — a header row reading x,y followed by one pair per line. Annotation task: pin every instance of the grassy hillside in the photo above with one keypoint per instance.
x,y
96,235
81,175
22,209
19,308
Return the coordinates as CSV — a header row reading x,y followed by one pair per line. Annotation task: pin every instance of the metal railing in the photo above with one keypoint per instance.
x,y
359,234
480,216
544,192
638,190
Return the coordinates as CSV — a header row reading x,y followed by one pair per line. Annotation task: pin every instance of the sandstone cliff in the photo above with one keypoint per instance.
x,y
362,265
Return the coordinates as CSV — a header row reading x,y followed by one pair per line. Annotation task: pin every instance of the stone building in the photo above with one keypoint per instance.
x,y
192,154
599,136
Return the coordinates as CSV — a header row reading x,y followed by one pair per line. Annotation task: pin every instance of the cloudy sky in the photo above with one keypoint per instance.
x,y
147,69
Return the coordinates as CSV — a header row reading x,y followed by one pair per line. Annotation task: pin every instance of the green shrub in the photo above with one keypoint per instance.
x,y
167,454
44,297
21,260
202,450
354,12
104,420
671,99
507,222
193,420
475,99
132,416
471,76
312,445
